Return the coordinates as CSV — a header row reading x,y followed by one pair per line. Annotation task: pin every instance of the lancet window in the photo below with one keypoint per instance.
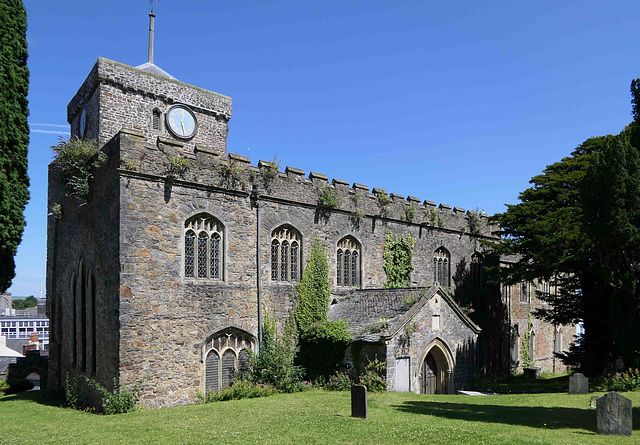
x,y
285,254
442,267
476,270
348,262
203,248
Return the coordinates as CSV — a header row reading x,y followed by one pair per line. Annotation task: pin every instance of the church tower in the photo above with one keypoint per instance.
x,y
149,100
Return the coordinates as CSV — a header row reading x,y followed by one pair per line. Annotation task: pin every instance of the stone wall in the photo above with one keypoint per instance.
x,y
118,96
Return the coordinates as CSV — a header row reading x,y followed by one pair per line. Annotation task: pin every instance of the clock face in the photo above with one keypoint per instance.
x,y
83,122
181,121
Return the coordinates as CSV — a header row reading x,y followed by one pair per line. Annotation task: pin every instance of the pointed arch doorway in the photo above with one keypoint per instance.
x,y
436,369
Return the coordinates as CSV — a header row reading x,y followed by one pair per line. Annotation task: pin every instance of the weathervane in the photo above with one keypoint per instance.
x,y
152,2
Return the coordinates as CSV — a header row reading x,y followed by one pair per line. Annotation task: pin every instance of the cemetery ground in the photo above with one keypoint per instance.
x,y
323,417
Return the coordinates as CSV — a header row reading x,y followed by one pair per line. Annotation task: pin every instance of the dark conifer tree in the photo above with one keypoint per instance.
x,y
14,133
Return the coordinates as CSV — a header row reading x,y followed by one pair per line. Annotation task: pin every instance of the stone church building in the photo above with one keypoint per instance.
x,y
163,273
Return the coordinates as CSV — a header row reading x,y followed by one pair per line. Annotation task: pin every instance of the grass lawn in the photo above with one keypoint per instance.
x,y
323,417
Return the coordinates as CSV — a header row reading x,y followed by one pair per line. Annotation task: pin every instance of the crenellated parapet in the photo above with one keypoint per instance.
x,y
168,160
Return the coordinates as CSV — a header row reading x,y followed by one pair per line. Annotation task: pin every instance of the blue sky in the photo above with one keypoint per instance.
x,y
455,102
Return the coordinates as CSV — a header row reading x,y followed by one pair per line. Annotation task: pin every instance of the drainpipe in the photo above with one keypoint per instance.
x,y
254,199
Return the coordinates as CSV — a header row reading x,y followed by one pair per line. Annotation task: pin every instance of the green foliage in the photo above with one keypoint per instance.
x,y
384,200
436,219
322,347
14,134
610,194
178,166
474,223
232,173
374,376
410,213
274,365
624,381
318,337
239,389
397,256
129,164
25,303
270,171
85,394
527,355
313,291
339,381
14,386
74,159
56,211
328,199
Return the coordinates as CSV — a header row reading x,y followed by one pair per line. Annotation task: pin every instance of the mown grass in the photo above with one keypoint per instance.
x,y
322,417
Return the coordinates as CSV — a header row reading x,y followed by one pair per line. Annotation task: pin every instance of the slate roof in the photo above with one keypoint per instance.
x,y
372,319
155,69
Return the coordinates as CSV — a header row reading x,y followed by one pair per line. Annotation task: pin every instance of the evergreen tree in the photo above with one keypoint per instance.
x,y
611,196
14,133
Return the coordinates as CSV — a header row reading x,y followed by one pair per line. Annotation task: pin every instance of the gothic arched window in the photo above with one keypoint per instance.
x,y
442,267
348,262
225,354
203,249
476,270
285,254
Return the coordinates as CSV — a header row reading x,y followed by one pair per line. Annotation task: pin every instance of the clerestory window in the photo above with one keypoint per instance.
x,y
348,262
285,254
442,267
203,248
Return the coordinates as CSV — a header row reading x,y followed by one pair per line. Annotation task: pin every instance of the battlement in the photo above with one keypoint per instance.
x,y
168,160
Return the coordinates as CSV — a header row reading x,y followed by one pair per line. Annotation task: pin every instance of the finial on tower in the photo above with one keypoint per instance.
x,y
152,17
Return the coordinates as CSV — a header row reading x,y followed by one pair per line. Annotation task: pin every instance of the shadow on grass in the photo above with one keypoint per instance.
x,y
42,397
531,416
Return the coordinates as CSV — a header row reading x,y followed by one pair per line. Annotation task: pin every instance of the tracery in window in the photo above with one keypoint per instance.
x,y
225,354
348,262
476,270
442,267
203,258
525,292
285,254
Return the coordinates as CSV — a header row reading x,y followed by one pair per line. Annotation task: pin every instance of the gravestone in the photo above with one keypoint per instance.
x,y
532,372
578,384
359,401
614,414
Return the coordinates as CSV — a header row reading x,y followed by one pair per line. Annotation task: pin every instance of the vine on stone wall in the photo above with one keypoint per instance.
x,y
527,353
322,342
75,159
398,256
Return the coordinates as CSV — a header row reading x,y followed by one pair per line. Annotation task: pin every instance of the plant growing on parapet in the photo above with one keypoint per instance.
x,y
436,219
178,166
384,200
231,173
474,223
527,353
328,198
410,213
269,172
75,160
398,256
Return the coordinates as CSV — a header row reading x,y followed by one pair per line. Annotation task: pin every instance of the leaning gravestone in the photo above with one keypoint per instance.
x,y
614,414
359,401
578,384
